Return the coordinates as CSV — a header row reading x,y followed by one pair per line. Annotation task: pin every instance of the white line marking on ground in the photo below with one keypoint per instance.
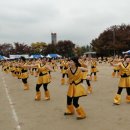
x,y
15,117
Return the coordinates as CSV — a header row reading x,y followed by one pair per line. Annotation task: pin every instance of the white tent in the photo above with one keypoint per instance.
x,y
59,56
6,58
53,56
127,52
48,56
90,52
18,56
3,58
36,56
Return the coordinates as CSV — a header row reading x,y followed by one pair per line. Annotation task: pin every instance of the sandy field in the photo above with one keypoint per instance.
x,y
19,110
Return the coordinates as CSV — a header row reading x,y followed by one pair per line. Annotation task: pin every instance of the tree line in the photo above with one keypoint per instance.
x,y
65,48
112,41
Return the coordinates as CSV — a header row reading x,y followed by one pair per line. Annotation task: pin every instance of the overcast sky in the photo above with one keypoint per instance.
x,y
77,20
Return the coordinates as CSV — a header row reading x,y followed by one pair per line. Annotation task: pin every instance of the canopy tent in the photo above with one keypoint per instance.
x,y
17,56
127,52
3,58
53,56
6,58
36,56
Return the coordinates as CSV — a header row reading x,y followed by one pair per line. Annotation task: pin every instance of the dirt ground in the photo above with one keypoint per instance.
x,y
19,110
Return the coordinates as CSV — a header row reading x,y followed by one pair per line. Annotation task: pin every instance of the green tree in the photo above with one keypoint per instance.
x,y
38,48
21,48
113,40
5,49
79,51
51,48
65,48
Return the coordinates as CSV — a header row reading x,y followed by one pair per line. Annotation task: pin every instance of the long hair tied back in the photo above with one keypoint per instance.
x,y
76,61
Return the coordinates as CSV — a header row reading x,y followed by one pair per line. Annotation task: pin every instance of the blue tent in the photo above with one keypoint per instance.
x,y
36,56
1,57
53,56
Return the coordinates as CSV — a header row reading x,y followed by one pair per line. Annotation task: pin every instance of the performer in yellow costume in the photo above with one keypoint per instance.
x,y
18,72
124,80
61,65
5,67
116,68
76,89
64,65
43,79
86,76
54,65
94,68
12,69
35,70
24,72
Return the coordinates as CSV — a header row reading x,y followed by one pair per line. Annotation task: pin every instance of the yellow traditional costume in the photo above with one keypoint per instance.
x,y
125,76
75,90
18,72
54,65
84,77
6,68
116,69
43,75
64,65
43,78
94,69
24,75
124,82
